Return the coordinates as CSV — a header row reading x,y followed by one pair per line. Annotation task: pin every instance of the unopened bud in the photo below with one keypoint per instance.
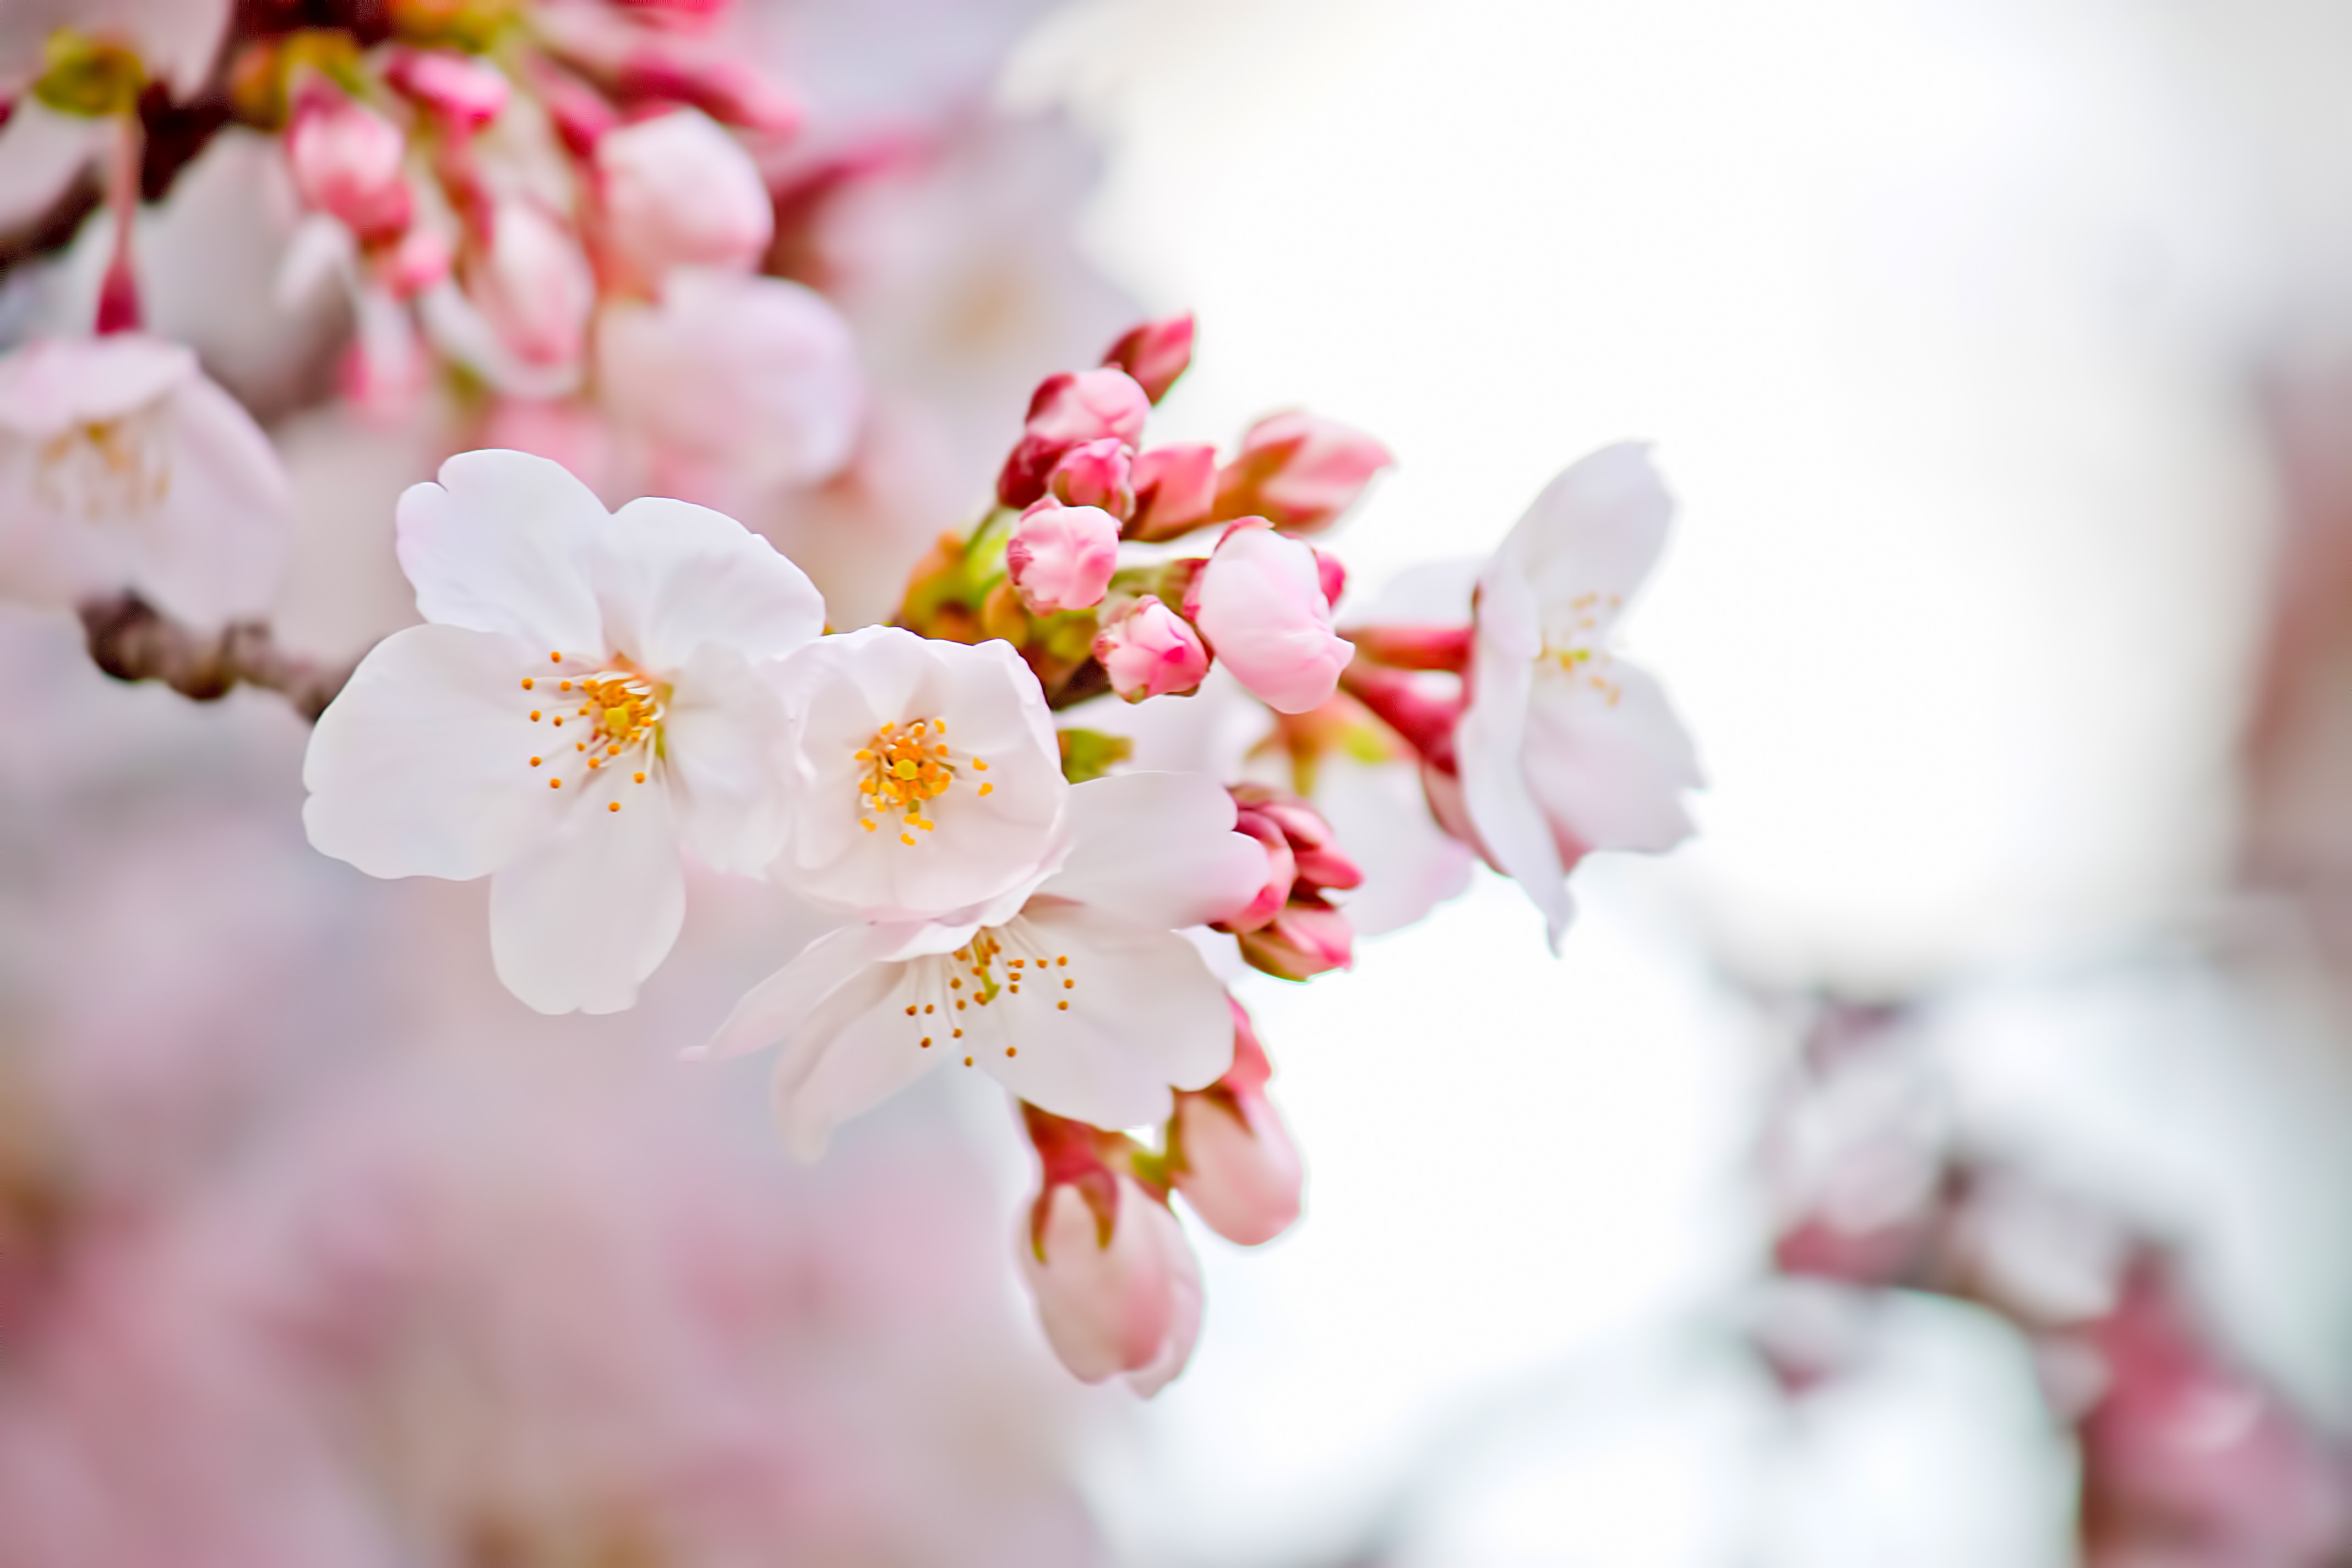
x,y
462,89
347,162
1300,472
1175,490
1260,603
1095,473
1149,650
678,191
1302,940
1068,410
1155,354
1062,557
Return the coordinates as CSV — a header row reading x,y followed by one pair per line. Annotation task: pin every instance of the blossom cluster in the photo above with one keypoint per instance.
x,y
562,227
594,696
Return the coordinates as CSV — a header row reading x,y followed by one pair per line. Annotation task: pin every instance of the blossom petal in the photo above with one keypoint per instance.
x,y
1381,816
774,1009
498,545
1158,850
581,917
1590,537
725,739
1145,1015
672,576
216,545
1489,744
421,767
1609,766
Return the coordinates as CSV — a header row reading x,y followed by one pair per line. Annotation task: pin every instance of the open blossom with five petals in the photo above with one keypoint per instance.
x,y
1072,988
1565,747
1260,603
121,466
924,774
589,694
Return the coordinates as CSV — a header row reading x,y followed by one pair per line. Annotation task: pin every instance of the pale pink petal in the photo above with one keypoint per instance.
x,y
672,577
775,1009
53,383
1260,603
1157,849
500,545
1608,763
679,191
421,768
1144,1014
214,548
1242,1174
1489,743
1104,1308
1184,1306
724,736
581,917
1589,539
1382,816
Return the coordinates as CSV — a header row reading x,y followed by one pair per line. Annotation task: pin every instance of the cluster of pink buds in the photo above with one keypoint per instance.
x,y
1047,571
1290,930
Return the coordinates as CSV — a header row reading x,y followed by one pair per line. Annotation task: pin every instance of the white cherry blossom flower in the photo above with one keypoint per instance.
x,y
122,466
1073,990
1565,747
926,774
588,694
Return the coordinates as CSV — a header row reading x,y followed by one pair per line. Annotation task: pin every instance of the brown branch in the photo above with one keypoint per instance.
x,y
132,640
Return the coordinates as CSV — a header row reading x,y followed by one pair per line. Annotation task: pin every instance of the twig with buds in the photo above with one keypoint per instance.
x,y
132,640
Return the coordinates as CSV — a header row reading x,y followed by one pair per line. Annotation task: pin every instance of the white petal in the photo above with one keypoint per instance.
x,y
673,576
1144,1014
54,384
1489,743
848,1054
421,768
1595,529
1158,850
839,691
1609,767
725,739
771,1010
498,545
216,545
1382,816
581,917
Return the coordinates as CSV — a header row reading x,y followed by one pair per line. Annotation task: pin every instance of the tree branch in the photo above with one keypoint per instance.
x,y
132,640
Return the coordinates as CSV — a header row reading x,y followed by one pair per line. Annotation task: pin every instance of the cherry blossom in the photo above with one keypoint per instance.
x,y
585,697
122,466
734,383
1155,354
1072,988
1566,748
347,162
1070,410
925,774
1299,471
1260,603
678,190
1116,1285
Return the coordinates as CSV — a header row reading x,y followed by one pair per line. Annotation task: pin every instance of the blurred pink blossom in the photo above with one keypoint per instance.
x,y
1299,471
348,163
1155,354
678,190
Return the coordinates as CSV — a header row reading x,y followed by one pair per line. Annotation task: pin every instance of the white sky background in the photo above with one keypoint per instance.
x,y
1940,314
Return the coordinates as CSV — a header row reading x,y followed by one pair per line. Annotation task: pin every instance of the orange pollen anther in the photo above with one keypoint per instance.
x,y
901,769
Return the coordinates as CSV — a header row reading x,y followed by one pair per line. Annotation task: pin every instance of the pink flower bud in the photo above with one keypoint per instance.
x,y
678,191
459,88
421,259
1313,847
1259,602
1331,575
347,162
731,92
1241,1173
1095,473
1281,871
1068,410
1302,940
1149,650
1300,472
533,286
1118,1288
1155,354
1061,557
1175,490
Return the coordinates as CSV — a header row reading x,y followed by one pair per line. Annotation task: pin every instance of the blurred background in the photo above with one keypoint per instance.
x,y
1941,1160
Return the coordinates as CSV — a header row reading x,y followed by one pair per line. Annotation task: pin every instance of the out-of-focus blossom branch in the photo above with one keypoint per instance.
x,y
129,639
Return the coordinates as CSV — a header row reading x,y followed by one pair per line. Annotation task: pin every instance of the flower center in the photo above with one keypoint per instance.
x,y
105,468
906,766
990,969
616,710
1580,646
